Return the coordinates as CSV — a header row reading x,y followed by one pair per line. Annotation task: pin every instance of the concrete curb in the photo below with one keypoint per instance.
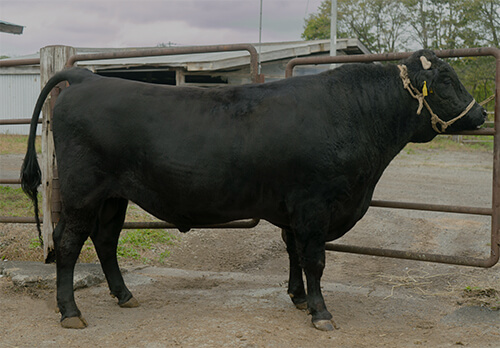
x,y
35,274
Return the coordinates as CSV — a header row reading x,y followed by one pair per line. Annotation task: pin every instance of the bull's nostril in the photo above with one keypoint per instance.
x,y
485,114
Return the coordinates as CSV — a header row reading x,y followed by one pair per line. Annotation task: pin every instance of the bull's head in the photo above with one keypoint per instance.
x,y
450,106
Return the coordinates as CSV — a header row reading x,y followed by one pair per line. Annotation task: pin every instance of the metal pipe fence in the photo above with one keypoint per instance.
x,y
494,211
15,121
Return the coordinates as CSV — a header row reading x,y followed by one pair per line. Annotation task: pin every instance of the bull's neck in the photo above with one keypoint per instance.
x,y
392,111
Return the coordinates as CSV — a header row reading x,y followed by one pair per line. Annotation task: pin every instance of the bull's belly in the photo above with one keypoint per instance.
x,y
206,199
191,209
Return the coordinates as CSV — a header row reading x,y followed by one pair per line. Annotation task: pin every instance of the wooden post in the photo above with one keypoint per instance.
x,y
52,60
180,78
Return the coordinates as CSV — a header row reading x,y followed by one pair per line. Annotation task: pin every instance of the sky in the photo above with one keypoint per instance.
x,y
147,23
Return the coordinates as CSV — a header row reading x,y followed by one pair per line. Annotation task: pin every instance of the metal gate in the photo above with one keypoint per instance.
x,y
494,211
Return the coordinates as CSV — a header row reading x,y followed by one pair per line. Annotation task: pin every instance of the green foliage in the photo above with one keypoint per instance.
x,y
407,25
379,24
478,76
395,25
318,24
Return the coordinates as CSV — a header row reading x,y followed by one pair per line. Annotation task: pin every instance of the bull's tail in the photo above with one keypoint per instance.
x,y
31,175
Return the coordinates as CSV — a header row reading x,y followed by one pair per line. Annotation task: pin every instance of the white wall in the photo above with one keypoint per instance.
x,y
18,94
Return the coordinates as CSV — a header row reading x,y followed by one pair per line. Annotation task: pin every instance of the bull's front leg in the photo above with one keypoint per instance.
x,y
309,226
296,289
313,264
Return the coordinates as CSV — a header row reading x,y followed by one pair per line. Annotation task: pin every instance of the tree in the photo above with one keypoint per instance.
x,y
379,24
484,18
317,25
399,25
390,25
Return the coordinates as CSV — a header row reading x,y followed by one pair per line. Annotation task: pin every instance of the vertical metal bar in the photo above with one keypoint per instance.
x,y
260,39
495,218
333,32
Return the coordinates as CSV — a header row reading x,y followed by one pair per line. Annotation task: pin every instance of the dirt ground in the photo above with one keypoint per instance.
x,y
227,288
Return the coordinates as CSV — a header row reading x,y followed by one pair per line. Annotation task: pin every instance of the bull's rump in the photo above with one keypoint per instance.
x,y
187,155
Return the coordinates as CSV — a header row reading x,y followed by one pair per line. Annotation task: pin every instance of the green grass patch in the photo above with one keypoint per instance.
x,y
17,144
149,246
145,245
449,143
13,202
35,243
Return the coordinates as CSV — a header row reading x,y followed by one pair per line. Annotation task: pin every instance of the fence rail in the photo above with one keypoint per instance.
x,y
494,211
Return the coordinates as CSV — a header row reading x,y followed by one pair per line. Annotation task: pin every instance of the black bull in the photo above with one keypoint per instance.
x,y
304,154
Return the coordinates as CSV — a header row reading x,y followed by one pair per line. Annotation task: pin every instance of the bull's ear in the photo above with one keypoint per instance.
x,y
426,64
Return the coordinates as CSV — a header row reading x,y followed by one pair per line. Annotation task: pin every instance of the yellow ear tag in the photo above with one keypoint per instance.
x,y
424,89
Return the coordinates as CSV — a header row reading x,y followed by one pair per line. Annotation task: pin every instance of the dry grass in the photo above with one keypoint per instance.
x,y
481,294
419,281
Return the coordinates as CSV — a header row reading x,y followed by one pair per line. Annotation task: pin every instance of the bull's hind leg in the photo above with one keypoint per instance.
x,y
69,236
309,225
105,238
296,289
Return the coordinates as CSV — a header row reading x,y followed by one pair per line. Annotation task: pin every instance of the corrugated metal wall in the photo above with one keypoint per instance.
x,y
17,99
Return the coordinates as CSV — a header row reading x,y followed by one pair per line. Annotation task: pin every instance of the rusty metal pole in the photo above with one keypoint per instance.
x,y
495,218
254,56
16,62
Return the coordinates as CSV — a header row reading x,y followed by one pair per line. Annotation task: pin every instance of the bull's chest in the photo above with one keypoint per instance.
x,y
350,208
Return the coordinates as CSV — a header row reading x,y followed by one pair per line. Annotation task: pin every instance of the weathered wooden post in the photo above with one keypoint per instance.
x,y
52,59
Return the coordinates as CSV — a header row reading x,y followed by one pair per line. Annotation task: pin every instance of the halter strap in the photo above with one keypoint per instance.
x,y
415,93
